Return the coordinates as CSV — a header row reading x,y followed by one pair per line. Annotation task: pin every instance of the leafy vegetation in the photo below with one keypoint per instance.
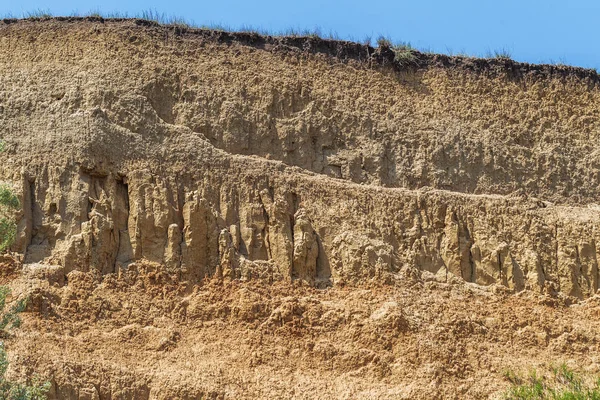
x,y
8,232
8,197
9,319
404,53
36,389
562,384
8,203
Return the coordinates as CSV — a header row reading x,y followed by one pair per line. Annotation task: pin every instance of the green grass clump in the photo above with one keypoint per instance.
x,y
503,54
382,41
404,53
8,233
10,319
8,198
9,202
39,13
562,384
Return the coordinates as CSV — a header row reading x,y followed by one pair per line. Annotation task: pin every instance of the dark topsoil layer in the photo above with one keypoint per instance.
x,y
346,50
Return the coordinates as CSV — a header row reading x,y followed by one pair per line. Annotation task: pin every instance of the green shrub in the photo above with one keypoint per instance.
x,y
562,384
8,228
8,198
10,319
34,389
8,233
403,53
8,201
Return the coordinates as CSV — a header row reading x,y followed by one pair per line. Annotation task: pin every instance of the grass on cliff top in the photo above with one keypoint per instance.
x,y
171,20
562,384
404,53
403,50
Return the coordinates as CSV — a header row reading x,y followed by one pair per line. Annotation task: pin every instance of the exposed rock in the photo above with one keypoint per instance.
x,y
356,258
200,247
306,248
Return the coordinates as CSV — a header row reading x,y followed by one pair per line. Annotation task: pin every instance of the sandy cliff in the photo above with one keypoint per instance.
x,y
292,188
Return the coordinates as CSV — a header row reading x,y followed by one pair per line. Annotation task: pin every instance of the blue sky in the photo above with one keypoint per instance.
x,y
531,30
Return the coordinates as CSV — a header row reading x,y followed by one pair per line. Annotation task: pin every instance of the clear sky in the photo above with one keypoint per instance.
x,y
531,30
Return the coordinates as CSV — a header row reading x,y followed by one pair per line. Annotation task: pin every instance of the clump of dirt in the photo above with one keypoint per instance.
x,y
10,268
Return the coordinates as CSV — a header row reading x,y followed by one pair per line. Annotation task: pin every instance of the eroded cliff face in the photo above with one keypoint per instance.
x,y
219,215
236,157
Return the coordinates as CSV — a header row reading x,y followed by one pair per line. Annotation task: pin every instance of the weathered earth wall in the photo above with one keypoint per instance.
x,y
235,156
